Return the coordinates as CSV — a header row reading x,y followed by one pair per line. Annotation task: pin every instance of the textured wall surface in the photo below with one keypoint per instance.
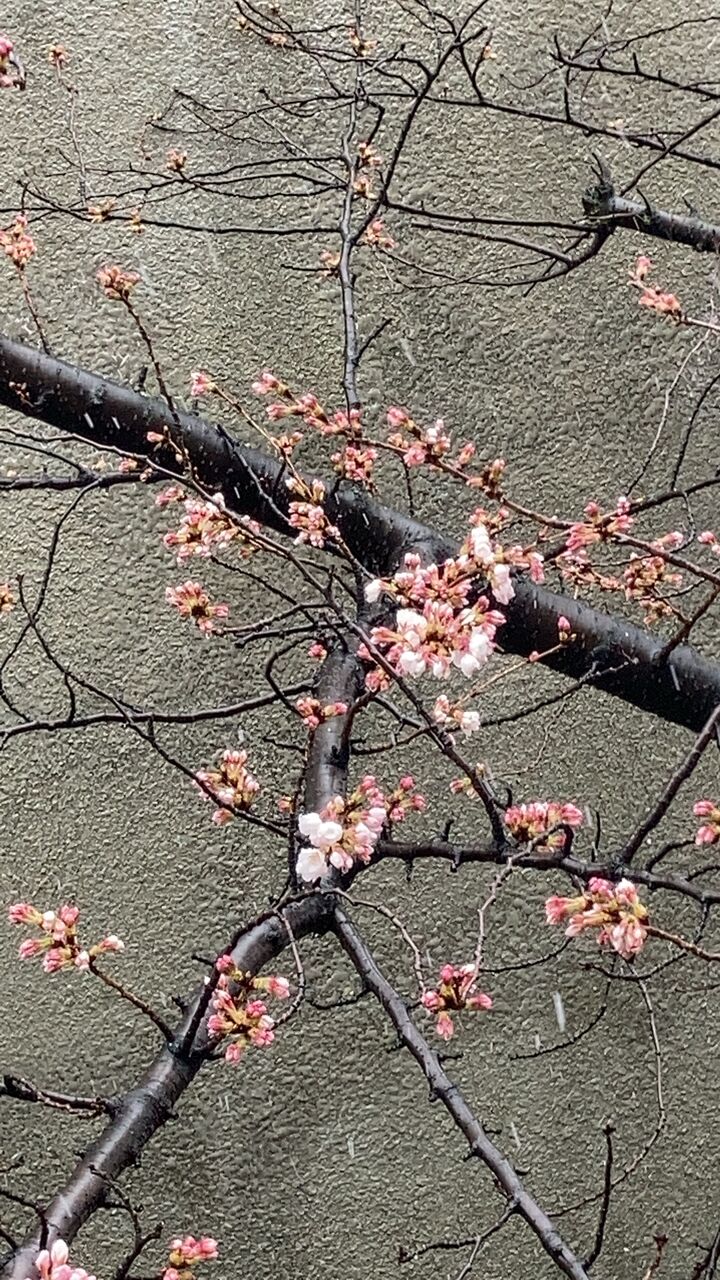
x,y
322,1157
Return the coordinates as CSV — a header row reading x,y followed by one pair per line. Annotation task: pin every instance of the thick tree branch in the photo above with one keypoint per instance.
x,y
683,687
600,202
150,1103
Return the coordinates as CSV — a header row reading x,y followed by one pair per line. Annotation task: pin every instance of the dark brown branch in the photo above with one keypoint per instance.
x,y
460,855
449,1095
147,1106
684,689
133,716
710,731
600,202
23,1091
594,1253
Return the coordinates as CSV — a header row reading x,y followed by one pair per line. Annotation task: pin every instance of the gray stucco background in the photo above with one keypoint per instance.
x,y
321,1157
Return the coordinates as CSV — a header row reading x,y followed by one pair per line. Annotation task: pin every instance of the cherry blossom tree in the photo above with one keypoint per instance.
x,y
384,633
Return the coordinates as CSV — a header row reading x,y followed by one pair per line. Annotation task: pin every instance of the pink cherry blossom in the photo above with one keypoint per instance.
x,y
377,236
709,539
600,526
231,785
311,864
201,384
278,987
454,991
58,941
172,493
709,832
643,265
453,715
52,1264
203,530
614,910
534,823
16,241
268,384
185,1253
311,522
329,261
12,74
241,1016
313,713
116,283
191,601
356,463
666,304
437,638
346,830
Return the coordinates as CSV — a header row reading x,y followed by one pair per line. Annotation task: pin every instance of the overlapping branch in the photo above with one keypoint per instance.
x,y
682,686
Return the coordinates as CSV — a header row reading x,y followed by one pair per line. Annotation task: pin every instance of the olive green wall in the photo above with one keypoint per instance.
x,y
321,1157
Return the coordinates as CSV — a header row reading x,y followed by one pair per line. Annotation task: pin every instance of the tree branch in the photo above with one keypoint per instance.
x,y
685,688
448,1093
601,202
150,1103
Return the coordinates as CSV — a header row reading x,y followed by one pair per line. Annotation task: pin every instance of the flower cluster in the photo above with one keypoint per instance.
x,y
356,463
418,445
203,529
441,629
665,304
12,75
565,632
58,942
176,160
540,824
368,159
231,786
455,991
614,909
599,526
307,407
116,283
644,578
346,831
184,1255
16,241
709,539
313,713
308,516
52,1264
438,639
377,236
201,384
709,832
452,715
239,1013
329,262
494,562
191,601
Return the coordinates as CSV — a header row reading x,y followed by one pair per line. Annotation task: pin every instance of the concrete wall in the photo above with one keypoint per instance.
x,y
321,1157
